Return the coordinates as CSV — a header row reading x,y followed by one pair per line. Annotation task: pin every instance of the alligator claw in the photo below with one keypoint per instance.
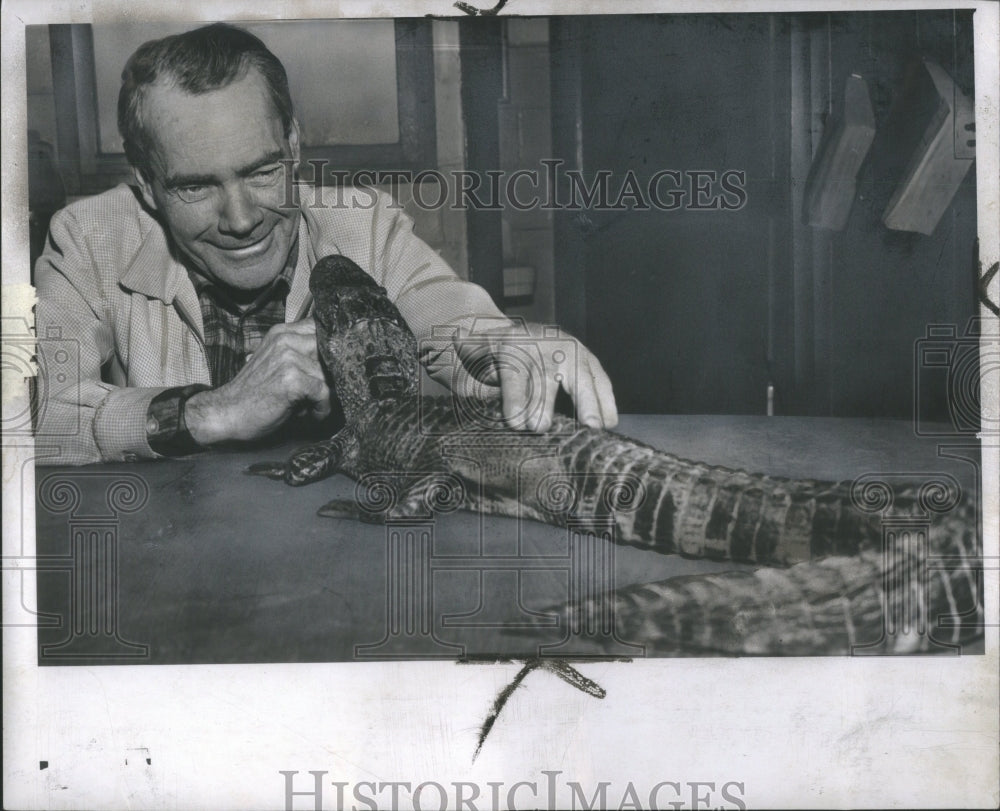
x,y
340,508
273,470
343,508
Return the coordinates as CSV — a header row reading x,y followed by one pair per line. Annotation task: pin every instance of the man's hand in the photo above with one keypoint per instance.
x,y
530,363
282,378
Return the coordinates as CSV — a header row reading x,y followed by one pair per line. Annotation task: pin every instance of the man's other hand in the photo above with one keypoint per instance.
x,y
530,363
283,378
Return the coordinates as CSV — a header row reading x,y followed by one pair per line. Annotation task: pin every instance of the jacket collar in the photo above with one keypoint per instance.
x,y
315,242
153,272
299,300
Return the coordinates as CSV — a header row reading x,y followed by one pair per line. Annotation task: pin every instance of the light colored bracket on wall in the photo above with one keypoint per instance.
x,y
832,181
940,163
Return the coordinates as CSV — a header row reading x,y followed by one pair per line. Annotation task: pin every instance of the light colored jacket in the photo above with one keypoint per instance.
x,y
126,316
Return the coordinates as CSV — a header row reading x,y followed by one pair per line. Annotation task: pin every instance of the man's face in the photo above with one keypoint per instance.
x,y
217,181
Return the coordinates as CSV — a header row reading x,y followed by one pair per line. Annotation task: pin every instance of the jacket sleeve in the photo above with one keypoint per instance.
x,y
87,419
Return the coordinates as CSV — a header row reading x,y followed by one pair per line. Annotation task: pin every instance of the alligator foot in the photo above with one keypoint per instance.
x,y
311,463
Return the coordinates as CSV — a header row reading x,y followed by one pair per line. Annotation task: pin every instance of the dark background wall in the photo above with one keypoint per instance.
x,y
697,310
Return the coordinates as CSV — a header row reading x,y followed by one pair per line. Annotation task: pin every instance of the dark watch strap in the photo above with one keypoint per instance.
x,y
166,429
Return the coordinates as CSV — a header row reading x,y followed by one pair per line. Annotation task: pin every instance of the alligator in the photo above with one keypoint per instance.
x,y
829,579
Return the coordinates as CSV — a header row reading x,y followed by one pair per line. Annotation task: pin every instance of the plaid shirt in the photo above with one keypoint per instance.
x,y
232,333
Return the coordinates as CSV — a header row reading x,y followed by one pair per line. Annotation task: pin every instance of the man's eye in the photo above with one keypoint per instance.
x,y
192,194
266,176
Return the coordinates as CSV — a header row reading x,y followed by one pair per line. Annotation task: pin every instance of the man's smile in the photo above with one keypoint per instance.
x,y
248,250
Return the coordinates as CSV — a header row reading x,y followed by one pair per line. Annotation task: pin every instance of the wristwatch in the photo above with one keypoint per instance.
x,y
166,428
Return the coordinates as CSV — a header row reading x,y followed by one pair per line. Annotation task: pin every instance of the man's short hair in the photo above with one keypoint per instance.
x,y
197,61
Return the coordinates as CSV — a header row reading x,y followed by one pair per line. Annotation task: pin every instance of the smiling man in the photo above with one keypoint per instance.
x,y
186,294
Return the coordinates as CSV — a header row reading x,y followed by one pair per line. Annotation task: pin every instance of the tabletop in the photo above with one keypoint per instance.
x,y
192,561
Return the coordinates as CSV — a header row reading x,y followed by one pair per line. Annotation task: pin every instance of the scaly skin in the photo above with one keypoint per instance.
x,y
833,596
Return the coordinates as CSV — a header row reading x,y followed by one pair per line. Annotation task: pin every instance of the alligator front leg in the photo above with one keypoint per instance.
x,y
312,462
382,497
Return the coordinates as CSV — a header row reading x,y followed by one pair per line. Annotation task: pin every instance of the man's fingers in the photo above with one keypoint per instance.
x,y
302,342
280,347
604,392
480,360
305,379
541,398
299,336
515,392
543,417
592,393
305,326
319,395
305,384
321,409
588,407
529,394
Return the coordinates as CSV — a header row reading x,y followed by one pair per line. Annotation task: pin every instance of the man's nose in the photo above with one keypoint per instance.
x,y
240,213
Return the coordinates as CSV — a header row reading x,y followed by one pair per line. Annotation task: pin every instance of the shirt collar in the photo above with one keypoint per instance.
x,y
278,288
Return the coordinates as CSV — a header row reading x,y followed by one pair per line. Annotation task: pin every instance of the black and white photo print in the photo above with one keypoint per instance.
x,y
426,405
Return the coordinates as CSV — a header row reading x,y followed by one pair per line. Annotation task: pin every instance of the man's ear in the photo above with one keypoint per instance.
x,y
145,188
